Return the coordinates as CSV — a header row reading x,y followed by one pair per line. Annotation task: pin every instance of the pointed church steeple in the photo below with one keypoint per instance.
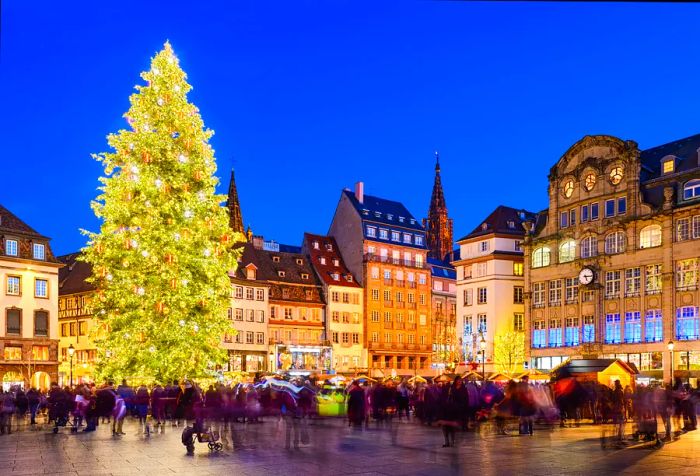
x,y
438,225
234,207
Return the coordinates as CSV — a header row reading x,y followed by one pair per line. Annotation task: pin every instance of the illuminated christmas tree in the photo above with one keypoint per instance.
x,y
162,256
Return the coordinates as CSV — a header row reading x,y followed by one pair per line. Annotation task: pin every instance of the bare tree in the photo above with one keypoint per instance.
x,y
509,352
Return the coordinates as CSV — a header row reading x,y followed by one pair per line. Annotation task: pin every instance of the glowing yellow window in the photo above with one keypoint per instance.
x,y
13,353
668,166
616,175
568,188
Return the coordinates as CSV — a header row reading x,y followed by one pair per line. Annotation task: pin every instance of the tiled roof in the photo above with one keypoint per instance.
x,y
387,212
498,222
10,222
323,252
686,150
72,277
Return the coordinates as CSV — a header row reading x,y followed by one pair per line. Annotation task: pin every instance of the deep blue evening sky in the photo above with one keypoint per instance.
x,y
308,97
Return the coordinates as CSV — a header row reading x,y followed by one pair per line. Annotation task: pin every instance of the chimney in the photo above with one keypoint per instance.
x,y
360,192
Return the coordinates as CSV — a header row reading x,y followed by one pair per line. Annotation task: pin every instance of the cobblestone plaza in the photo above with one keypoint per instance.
x,y
400,449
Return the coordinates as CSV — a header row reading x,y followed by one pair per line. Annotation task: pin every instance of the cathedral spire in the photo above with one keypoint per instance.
x,y
438,225
234,207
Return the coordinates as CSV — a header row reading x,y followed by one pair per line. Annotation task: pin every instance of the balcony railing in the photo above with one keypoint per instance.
x,y
370,257
388,303
400,304
400,325
538,305
388,281
411,305
412,284
388,325
400,282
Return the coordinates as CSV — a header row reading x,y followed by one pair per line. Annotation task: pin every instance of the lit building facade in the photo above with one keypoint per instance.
x,y
29,302
490,285
75,321
344,306
443,318
249,313
297,337
611,267
383,246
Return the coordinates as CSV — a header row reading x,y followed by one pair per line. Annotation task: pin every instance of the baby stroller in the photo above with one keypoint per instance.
x,y
203,435
59,413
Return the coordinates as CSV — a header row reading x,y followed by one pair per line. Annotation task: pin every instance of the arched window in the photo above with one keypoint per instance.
x,y
589,247
691,189
541,257
650,236
567,251
615,243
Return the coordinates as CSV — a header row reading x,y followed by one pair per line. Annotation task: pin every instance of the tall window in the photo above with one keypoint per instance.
x,y
571,290
555,292
584,213
589,247
482,323
564,220
696,227
650,236
555,334
653,326
517,269
467,294
517,294
518,321
538,294
11,247
633,327
594,211
612,329
687,323
539,336
610,208
481,296
41,324
571,332
632,281
687,273
567,251
683,229
41,288
14,285
14,322
691,189
541,257
612,284
652,282
588,329
39,251
615,243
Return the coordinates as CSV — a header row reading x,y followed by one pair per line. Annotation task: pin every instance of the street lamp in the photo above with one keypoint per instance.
x,y
482,345
670,349
71,351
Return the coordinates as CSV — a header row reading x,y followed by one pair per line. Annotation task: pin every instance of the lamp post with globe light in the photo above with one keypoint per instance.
x,y
670,346
71,351
482,346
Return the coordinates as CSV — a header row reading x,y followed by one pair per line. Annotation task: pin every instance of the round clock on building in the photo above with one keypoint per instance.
x,y
586,275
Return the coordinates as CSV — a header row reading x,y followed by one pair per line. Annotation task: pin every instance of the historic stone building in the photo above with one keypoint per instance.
x,y
29,302
490,286
249,314
344,306
75,320
443,316
438,226
383,246
611,267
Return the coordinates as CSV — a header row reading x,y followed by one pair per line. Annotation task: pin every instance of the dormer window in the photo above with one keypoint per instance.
x,y
335,276
250,273
322,260
377,214
329,247
316,245
11,248
281,274
349,278
389,216
484,226
383,234
691,189
511,224
413,221
336,262
299,261
304,276
401,219
276,259
39,251
365,211
668,165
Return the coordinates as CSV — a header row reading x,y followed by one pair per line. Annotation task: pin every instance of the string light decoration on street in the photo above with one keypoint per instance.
x,y
162,256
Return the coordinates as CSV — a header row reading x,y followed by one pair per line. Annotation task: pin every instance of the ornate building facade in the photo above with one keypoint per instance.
x,y
443,316
383,246
438,226
611,267
344,306
490,287
29,302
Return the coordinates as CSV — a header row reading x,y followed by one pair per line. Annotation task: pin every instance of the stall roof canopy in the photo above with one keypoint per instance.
x,y
583,366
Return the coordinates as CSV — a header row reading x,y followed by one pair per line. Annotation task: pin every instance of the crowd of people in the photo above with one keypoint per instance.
x,y
452,404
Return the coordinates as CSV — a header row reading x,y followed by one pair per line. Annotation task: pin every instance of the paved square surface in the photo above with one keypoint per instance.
x,y
333,448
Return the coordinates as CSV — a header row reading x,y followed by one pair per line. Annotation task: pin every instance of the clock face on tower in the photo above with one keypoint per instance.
x,y
586,275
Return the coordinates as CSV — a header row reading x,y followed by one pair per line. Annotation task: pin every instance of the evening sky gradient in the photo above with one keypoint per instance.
x,y
307,98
